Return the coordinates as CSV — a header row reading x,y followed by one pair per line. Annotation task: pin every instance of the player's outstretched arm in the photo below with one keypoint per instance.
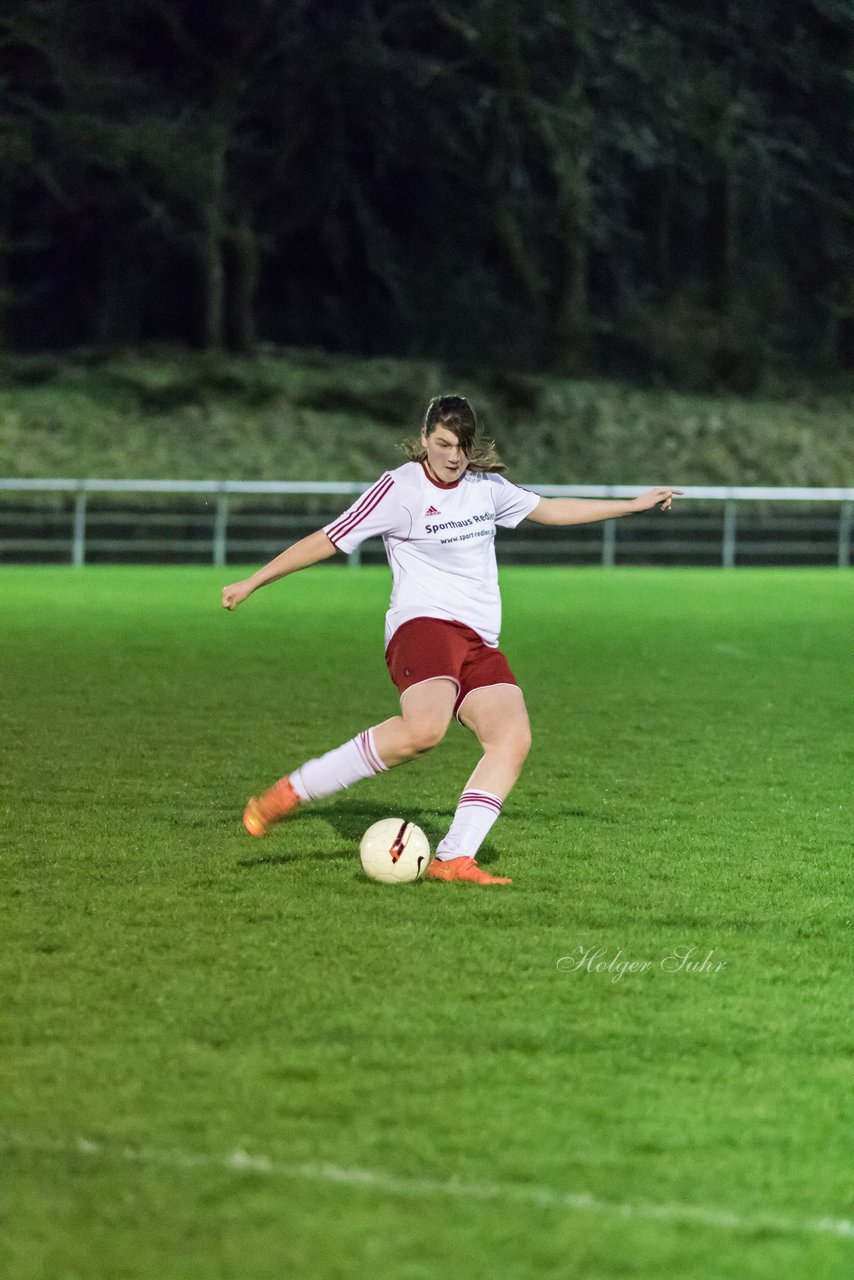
x,y
301,555
587,510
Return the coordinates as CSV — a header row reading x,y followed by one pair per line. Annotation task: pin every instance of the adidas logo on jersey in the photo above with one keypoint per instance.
x,y
431,511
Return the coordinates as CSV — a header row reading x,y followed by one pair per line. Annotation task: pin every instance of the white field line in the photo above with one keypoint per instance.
x,y
545,1197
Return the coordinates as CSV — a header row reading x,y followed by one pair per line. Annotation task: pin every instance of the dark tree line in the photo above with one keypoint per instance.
x,y
611,185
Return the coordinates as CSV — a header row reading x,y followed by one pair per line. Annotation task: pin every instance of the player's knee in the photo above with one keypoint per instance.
x,y
513,746
520,745
423,735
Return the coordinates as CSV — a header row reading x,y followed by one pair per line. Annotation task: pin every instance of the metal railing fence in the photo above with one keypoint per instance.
x,y
214,530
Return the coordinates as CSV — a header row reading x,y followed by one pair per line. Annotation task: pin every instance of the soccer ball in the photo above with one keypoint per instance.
x,y
394,851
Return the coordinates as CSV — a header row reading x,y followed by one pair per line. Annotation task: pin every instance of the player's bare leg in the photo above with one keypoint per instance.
x,y
498,717
426,711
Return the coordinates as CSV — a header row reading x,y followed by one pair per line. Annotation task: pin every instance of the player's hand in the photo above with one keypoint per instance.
x,y
661,498
235,594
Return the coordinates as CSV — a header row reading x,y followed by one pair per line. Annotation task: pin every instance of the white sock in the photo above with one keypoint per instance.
x,y
476,813
339,768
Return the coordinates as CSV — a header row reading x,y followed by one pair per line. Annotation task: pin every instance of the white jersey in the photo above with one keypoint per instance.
x,y
440,543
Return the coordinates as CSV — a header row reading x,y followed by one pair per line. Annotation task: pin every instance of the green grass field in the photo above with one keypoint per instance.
x,y
234,1058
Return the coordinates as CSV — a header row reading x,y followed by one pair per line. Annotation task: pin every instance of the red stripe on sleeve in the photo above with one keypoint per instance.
x,y
345,523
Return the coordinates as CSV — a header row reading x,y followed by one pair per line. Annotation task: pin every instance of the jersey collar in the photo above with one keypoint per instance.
x,y
440,484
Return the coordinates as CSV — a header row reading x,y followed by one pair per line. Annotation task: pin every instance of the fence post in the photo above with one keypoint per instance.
x,y
78,537
728,548
844,557
354,559
609,544
220,537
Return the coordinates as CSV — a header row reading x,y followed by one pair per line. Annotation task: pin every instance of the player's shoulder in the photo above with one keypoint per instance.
x,y
407,476
389,482
489,479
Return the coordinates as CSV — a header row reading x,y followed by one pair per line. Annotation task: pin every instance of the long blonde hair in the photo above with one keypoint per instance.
x,y
456,415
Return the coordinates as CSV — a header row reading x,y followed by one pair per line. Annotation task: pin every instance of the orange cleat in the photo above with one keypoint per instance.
x,y
262,811
462,869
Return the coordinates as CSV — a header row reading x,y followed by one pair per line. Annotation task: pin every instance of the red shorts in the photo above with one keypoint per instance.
x,y
428,649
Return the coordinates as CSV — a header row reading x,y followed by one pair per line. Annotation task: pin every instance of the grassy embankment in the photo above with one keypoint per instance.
x,y
305,416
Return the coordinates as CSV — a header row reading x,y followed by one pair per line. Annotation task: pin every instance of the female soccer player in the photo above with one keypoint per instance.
x,y
437,516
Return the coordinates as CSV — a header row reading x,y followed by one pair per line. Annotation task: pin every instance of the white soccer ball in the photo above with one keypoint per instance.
x,y
394,851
